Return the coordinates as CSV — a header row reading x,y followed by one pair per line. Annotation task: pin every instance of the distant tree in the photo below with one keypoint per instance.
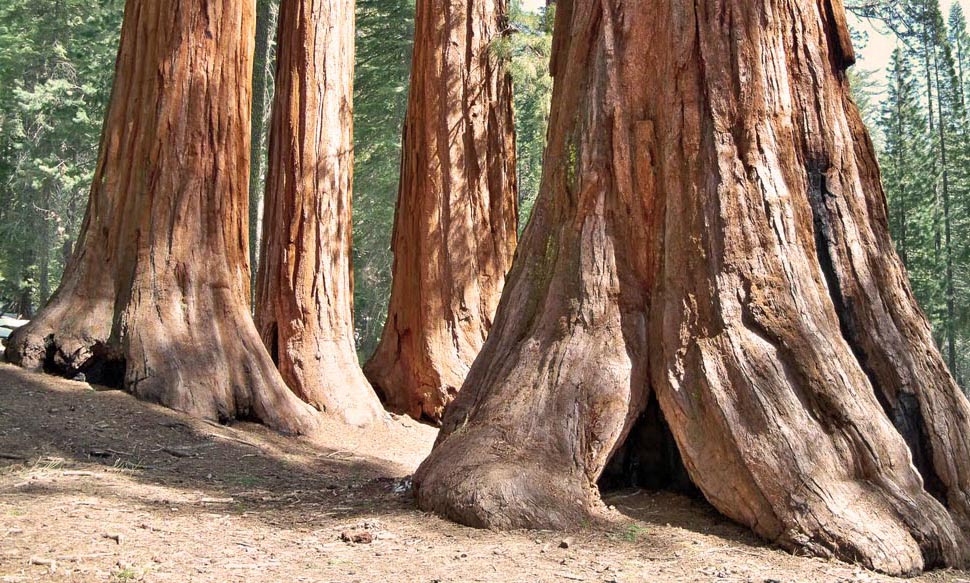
x,y
56,66
940,52
909,183
266,15
384,41
527,51
960,42
950,136
865,92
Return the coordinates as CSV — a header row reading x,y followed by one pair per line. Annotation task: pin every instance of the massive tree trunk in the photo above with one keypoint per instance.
x,y
456,217
304,296
711,233
156,296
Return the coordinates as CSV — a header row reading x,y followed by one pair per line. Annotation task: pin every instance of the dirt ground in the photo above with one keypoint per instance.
x,y
97,487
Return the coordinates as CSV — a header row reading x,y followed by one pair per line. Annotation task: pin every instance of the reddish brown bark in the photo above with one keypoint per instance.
x,y
304,295
156,295
711,233
456,217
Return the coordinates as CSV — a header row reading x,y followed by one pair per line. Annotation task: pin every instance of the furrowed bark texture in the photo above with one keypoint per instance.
x,y
304,296
712,232
455,223
156,296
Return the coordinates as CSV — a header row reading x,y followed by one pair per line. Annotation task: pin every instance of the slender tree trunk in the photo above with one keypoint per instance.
x,y
456,217
711,233
929,64
44,271
23,306
264,23
902,244
959,70
156,297
927,67
947,246
304,308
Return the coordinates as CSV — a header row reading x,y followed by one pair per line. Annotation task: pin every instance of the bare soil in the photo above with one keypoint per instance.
x,y
98,487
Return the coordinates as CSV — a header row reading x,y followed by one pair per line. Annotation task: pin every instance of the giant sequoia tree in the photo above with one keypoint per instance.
x,y
711,240
304,295
456,217
156,296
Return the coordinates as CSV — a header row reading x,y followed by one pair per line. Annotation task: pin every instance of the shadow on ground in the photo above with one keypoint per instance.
x,y
242,469
96,486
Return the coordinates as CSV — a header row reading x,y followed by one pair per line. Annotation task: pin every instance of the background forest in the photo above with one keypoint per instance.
x,y
57,62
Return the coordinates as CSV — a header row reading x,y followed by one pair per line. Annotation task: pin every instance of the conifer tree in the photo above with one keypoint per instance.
x,y
906,163
960,41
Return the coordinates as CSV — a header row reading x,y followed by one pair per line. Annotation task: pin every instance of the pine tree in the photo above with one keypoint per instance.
x,y
528,53
950,117
267,12
957,61
940,261
960,41
906,162
56,65
384,37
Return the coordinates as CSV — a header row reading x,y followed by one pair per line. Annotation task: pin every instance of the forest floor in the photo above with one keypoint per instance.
x,y
97,487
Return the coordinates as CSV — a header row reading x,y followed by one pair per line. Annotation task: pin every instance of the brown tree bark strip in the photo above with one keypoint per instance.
x,y
156,296
711,228
456,218
304,308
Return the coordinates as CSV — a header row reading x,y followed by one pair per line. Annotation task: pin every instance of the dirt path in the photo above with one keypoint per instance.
x,y
97,487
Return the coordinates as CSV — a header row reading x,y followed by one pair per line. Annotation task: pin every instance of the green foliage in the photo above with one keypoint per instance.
x,y
865,89
925,160
529,47
56,65
910,185
384,40
960,42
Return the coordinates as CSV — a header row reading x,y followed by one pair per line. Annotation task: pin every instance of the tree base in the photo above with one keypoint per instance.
x,y
420,394
488,483
201,372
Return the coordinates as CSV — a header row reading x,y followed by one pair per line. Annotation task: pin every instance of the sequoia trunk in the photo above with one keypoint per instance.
x,y
156,295
456,217
304,295
711,232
